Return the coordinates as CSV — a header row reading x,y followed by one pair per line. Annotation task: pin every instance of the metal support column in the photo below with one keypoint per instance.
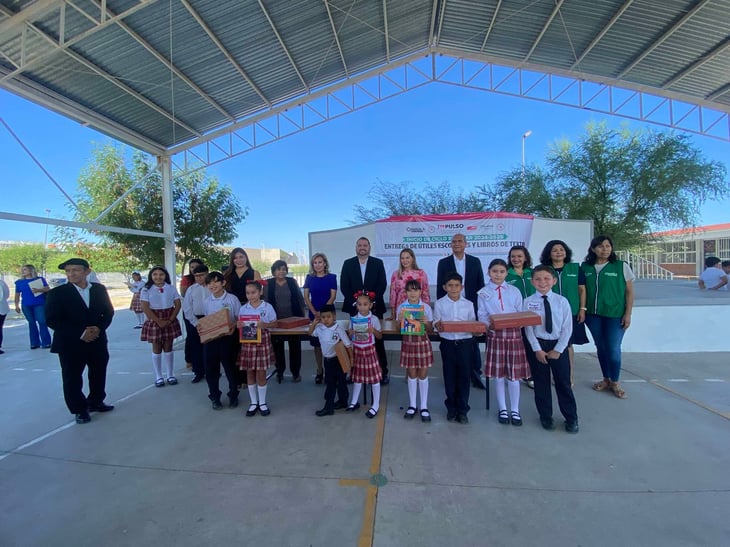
x,y
168,219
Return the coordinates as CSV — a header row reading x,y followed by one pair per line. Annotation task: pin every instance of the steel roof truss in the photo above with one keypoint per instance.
x,y
491,25
195,15
283,46
616,16
667,34
64,41
556,10
335,33
718,50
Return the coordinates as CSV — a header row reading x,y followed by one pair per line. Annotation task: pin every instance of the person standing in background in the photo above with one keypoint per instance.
x,y
4,309
470,269
33,288
366,273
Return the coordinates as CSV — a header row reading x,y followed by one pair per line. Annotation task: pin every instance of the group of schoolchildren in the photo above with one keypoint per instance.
x,y
506,359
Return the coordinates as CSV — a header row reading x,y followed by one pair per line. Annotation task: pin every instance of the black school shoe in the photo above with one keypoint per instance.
x,y
547,423
571,427
325,412
101,407
83,417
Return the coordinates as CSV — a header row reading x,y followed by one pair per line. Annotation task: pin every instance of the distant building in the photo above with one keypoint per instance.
x,y
683,251
267,255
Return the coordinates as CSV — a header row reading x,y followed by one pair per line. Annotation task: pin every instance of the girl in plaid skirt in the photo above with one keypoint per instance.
x,y
136,286
365,365
416,355
161,304
256,357
506,360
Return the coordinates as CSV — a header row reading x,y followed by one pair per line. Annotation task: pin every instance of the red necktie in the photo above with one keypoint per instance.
x,y
499,294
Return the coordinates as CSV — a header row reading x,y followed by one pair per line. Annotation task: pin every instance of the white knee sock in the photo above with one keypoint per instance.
x,y
412,388
253,393
262,394
514,395
169,362
157,365
356,388
376,397
140,318
499,388
423,389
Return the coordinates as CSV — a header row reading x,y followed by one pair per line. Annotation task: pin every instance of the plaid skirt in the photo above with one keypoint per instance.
x,y
505,355
416,352
257,356
151,331
136,304
365,366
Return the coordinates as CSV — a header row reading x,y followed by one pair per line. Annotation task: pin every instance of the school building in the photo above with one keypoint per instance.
x,y
683,251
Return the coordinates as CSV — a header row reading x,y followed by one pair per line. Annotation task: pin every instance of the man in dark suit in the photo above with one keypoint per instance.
x,y
470,269
364,272
79,313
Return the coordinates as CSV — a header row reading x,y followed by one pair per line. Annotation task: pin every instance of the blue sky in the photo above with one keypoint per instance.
x,y
312,180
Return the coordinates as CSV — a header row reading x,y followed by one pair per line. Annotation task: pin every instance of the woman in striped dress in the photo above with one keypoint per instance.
x,y
256,357
161,303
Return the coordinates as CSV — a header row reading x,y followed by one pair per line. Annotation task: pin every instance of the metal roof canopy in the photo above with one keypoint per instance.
x,y
208,79
164,75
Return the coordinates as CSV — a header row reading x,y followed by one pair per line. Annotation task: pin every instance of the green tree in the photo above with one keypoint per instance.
x,y
14,258
629,183
206,212
406,199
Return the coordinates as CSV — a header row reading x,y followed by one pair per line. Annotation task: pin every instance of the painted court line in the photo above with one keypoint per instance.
x,y
63,427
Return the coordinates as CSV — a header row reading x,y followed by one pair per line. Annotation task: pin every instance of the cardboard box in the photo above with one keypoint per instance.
x,y
343,356
515,320
214,326
462,326
292,322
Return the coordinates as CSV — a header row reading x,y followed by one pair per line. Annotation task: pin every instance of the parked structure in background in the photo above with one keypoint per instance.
x,y
682,252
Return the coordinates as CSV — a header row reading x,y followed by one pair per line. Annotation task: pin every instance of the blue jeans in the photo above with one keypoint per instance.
x,y
607,333
37,329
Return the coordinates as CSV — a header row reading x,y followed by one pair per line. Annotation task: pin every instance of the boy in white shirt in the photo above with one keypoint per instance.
x,y
456,348
549,343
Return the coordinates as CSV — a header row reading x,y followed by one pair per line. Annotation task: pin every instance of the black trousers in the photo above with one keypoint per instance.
x,y
95,357
295,354
335,381
221,352
457,356
194,349
2,322
560,369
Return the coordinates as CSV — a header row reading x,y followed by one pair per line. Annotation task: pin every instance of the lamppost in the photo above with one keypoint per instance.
x,y
45,235
524,136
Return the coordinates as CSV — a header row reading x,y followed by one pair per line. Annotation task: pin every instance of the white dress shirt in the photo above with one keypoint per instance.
x,y
194,302
447,309
562,320
493,299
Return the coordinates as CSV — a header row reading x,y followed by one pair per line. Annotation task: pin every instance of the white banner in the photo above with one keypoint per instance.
x,y
488,236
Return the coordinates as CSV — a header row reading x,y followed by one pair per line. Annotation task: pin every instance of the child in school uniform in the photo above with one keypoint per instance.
x,y
224,350
416,355
505,358
365,365
328,332
456,347
256,357
549,343
161,304
135,286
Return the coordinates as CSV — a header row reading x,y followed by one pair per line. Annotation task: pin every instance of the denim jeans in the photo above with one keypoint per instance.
x,y
607,334
37,329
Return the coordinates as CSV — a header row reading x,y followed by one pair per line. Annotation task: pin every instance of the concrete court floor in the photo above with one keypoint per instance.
x,y
164,469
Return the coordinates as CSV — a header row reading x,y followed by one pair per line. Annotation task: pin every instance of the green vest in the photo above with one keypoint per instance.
x,y
567,285
606,292
523,282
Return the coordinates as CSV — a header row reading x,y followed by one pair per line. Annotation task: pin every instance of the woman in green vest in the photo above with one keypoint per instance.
x,y
609,299
572,285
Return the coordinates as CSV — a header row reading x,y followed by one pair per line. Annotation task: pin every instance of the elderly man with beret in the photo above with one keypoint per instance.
x,y
79,313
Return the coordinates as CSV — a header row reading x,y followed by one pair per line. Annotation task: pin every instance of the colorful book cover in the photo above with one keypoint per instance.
x,y
413,320
360,334
250,329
